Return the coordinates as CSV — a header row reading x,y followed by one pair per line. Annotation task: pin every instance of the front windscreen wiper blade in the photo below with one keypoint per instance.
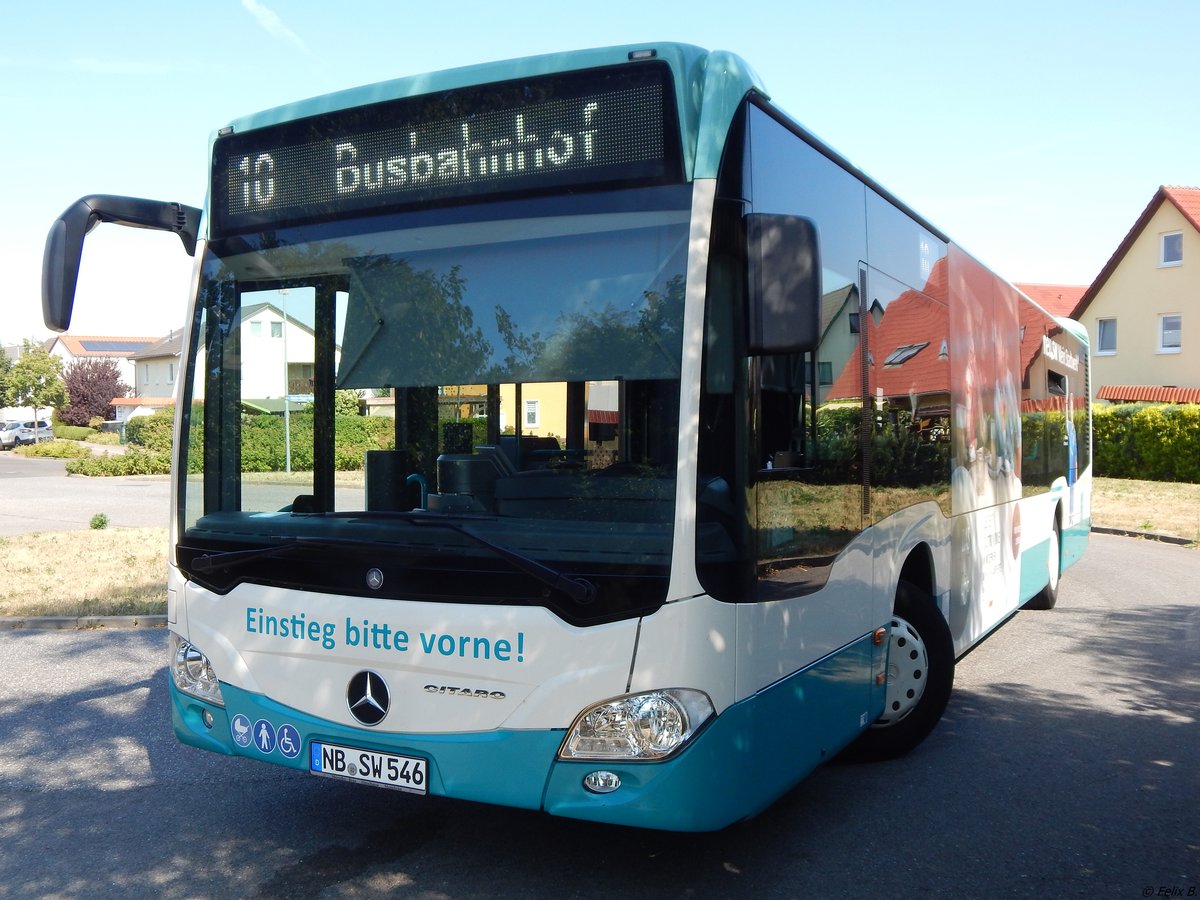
x,y
578,589
231,559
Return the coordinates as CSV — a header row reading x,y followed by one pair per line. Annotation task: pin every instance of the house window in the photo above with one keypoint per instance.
x,y
825,372
276,329
1170,333
901,355
256,329
1106,335
1171,249
170,373
531,413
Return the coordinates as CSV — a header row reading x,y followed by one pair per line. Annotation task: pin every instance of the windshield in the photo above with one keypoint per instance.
x,y
516,376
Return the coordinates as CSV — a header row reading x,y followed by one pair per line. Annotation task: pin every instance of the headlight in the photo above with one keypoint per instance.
x,y
646,726
193,673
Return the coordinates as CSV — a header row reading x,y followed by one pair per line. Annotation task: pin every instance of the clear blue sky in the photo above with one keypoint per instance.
x,y
1033,133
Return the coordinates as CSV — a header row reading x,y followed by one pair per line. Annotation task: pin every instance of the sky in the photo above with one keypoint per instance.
x,y
1033,132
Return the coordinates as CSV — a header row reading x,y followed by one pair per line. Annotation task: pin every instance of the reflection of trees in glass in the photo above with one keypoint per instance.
x,y
410,328
609,341
524,351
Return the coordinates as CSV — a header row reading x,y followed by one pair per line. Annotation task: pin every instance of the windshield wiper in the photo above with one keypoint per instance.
x,y
231,559
578,589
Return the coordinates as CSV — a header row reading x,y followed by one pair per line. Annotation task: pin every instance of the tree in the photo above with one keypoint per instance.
x,y
91,386
34,380
5,367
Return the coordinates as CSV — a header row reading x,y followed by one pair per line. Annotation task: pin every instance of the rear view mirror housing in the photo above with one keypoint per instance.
x,y
783,269
64,243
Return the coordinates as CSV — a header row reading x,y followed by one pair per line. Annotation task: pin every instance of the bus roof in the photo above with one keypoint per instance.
x,y
709,85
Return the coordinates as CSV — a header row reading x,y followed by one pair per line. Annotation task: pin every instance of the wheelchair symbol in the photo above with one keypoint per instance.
x,y
289,741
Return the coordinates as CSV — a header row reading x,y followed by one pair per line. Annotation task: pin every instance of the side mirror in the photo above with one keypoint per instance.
x,y
784,284
64,243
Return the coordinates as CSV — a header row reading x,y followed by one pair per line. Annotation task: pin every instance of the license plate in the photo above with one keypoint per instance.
x,y
405,773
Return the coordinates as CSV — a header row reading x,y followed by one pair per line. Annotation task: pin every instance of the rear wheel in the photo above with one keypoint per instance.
x,y
920,676
1048,596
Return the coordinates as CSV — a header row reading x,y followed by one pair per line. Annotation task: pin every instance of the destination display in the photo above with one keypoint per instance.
x,y
596,127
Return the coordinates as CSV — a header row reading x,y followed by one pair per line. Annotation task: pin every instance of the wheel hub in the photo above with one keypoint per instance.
x,y
908,665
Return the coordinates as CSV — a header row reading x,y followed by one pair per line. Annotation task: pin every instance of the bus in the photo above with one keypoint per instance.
x,y
579,433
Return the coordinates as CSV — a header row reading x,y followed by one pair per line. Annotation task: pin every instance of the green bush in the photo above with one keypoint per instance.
x,y
73,433
153,432
264,448
1153,442
131,462
55,449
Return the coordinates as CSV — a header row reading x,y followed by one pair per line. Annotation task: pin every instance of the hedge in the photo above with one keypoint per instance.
x,y
132,462
1154,442
152,432
264,448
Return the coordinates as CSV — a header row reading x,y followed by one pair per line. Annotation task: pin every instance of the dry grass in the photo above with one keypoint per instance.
x,y
1155,506
118,571
122,571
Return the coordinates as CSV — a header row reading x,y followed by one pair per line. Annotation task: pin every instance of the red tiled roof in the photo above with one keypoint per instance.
x,y
1056,299
912,319
1141,393
1185,199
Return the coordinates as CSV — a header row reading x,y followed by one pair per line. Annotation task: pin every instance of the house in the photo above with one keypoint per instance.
x,y
1138,309
72,347
155,369
278,364
157,366
911,338
278,359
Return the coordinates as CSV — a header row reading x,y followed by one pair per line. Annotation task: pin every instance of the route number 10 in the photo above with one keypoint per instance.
x,y
258,180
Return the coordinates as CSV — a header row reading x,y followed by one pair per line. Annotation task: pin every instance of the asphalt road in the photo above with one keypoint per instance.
x,y
1066,766
37,495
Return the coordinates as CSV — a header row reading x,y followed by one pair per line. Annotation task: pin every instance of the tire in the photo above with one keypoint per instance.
x,y
920,677
1048,596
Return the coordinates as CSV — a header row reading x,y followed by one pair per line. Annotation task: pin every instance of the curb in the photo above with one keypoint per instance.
x,y
1146,536
79,623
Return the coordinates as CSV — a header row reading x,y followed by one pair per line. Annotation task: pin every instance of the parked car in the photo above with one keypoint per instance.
x,y
14,434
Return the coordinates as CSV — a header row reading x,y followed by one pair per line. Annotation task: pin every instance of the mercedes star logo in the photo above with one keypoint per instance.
x,y
367,697
374,579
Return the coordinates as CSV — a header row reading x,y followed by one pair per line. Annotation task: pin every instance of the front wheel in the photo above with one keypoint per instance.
x,y
920,676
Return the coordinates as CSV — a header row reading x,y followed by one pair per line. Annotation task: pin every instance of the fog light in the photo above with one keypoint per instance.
x,y
602,782
207,717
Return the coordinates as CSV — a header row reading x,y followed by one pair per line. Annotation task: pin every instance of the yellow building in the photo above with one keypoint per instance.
x,y
1143,310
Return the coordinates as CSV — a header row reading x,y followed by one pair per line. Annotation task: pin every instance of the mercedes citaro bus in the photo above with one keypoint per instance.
x,y
580,433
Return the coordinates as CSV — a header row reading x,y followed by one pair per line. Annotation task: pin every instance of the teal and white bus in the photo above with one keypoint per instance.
x,y
579,433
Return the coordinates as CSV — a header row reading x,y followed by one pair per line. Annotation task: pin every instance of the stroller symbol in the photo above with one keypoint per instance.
x,y
241,730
